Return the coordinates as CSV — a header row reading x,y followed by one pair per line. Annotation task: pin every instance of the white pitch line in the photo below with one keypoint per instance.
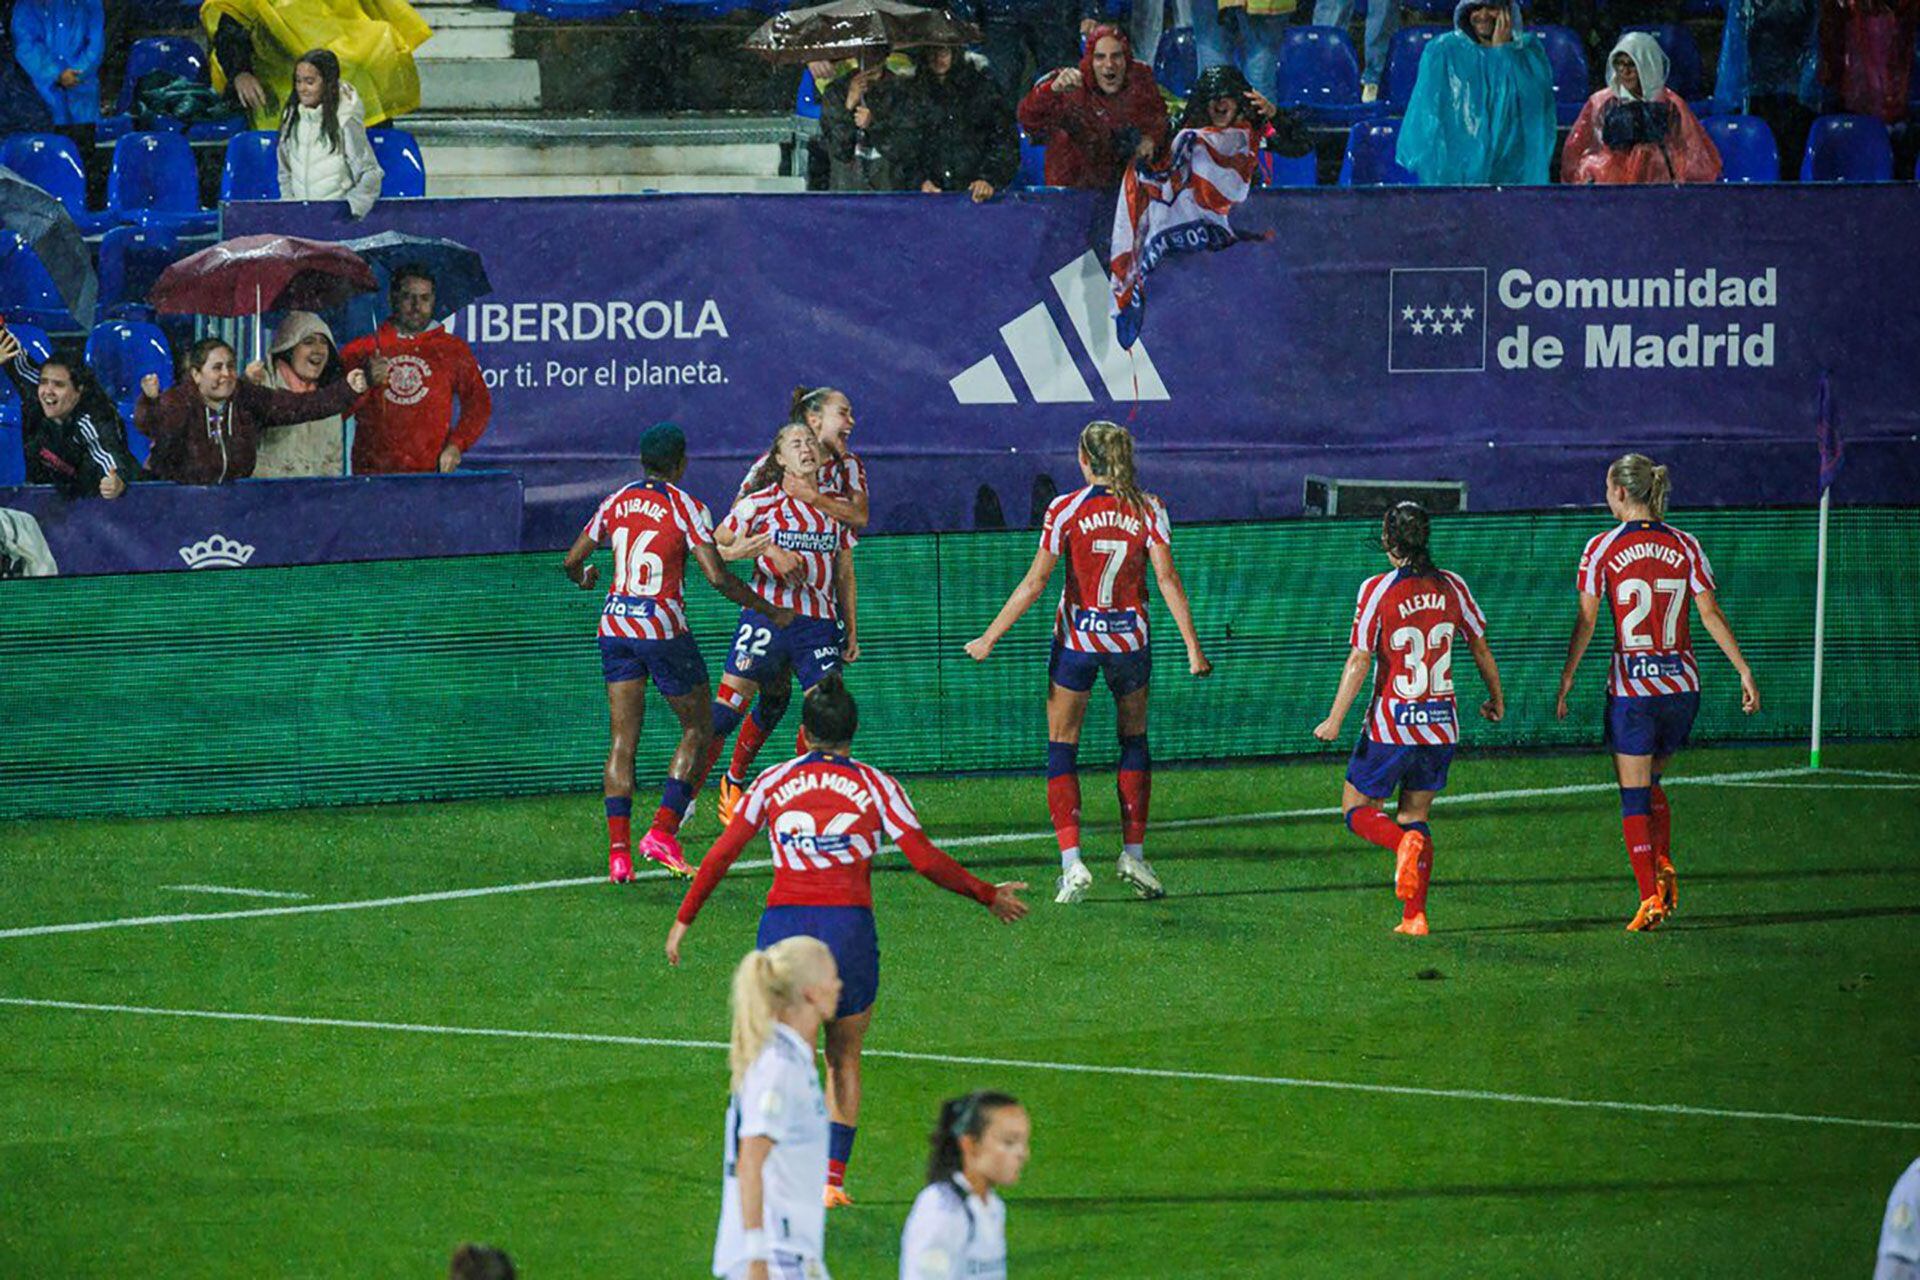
x,y
1814,784
1014,1064
243,893
960,842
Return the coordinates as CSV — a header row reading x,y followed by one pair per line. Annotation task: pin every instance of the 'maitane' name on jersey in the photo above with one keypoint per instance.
x,y
1408,622
803,529
652,526
1648,572
1103,608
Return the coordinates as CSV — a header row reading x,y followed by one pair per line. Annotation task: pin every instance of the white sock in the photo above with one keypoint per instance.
x,y
1135,851
1070,858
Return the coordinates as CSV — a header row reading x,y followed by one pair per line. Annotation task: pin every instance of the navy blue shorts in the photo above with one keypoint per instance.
x,y
1378,768
761,651
848,933
1655,726
1126,672
675,665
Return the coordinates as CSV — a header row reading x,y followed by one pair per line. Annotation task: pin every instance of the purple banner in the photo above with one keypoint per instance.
x,y
1511,340
158,527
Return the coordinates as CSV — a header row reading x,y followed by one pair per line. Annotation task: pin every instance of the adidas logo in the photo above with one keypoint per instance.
x,y
216,551
1045,361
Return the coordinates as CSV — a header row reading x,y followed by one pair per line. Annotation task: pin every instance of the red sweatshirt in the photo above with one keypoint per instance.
x,y
404,425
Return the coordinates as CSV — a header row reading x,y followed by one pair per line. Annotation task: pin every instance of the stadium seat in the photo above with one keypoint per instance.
x,y
26,290
1686,75
131,260
1747,149
399,156
155,183
1369,160
1844,148
13,461
1568,58
1033,163
1176,65
177,54
252,168
120,353
1403,63
575,10
1290,171
1319,75
806,99
52,163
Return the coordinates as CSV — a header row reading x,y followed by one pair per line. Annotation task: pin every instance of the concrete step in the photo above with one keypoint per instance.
x,y
606,184
447,160
479,84
467,42
464,17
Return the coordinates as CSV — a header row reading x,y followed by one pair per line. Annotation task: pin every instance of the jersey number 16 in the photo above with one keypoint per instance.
x,y
636,570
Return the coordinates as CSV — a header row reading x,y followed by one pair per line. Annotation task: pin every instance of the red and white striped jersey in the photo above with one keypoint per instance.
x,y
1103,608
1408,622
803,529
1648,572
652,526
837,477
825,817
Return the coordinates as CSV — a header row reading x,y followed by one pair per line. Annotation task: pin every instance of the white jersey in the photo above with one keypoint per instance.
x,y
779,1098
1900,1233
953,1234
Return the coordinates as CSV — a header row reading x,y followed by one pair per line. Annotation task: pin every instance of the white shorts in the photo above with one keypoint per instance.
x,y
787,1266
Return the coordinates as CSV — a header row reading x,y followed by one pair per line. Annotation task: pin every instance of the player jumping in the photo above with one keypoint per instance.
x,y
1647,570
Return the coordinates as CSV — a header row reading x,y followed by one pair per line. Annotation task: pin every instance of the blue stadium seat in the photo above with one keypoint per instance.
x,y
120,353
1369,160
806,99
26,290
1290,171
131,260
1319,75
252,168
1033,163
177,54
1686,74
1403,63
13,460
1748,152
1176,64
1843,148
155,183
399,156
1568,58
52,163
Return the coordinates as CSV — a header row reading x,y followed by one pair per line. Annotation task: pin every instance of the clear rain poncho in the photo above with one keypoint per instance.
x,y
1480,114
1649,136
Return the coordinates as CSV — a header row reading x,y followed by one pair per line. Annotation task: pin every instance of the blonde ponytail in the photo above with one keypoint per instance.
x,y
1109,451
766,984
1645,481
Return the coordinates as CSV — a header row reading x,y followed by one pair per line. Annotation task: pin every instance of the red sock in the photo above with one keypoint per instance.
x,y
714,748
1417,904
1375,827
1136,790
836,1173
1063,806
745,747
1637,828
1661,826
619,832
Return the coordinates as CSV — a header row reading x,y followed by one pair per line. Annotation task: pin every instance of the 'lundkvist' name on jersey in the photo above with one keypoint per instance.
x,y
1648,572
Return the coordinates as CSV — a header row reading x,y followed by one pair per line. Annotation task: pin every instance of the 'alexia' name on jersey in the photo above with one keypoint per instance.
x,y
840,784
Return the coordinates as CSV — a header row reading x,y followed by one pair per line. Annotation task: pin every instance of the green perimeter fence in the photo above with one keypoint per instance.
x,y
401,680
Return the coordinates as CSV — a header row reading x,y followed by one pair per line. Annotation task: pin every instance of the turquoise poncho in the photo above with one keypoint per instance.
x,y
1480,114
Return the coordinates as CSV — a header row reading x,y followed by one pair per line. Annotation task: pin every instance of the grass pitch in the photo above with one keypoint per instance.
x,y
142,1144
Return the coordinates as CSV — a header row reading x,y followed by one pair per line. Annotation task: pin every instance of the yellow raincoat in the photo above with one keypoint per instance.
x,y
374,40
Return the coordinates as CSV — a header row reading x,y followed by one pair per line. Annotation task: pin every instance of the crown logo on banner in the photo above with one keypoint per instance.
x,y
216,551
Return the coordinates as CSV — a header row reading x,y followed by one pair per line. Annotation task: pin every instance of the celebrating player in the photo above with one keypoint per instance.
x,y
1108,531
654,526
770,1210
826,813
958,1226
1647,570
1407,619
838,488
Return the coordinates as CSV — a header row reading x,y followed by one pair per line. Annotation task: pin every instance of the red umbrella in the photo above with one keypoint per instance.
x,y
251,274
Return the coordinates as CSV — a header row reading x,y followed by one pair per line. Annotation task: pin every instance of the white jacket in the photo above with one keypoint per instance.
x,y
310,169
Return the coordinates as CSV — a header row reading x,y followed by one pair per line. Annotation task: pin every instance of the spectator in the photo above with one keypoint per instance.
x,y
1636,129
866,120
71,434
59,44
966,136
1482,106
1382,21
410,425
1221,98
23,548
480,1262
255,43
1022,38
1866,54
1245,33
324,152
22,110
302,358
1097,117
1146,23
1769,67
206,430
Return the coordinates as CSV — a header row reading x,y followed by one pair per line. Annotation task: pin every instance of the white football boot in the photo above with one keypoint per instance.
x,y
1137,873
1074,883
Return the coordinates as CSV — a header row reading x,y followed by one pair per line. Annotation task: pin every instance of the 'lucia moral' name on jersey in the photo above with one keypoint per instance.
x,y
852,788
1113,519
647,507
1644,550
803,540
1424,600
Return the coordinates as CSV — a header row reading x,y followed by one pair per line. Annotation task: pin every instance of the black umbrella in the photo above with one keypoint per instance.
x,y
851,28
47,228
